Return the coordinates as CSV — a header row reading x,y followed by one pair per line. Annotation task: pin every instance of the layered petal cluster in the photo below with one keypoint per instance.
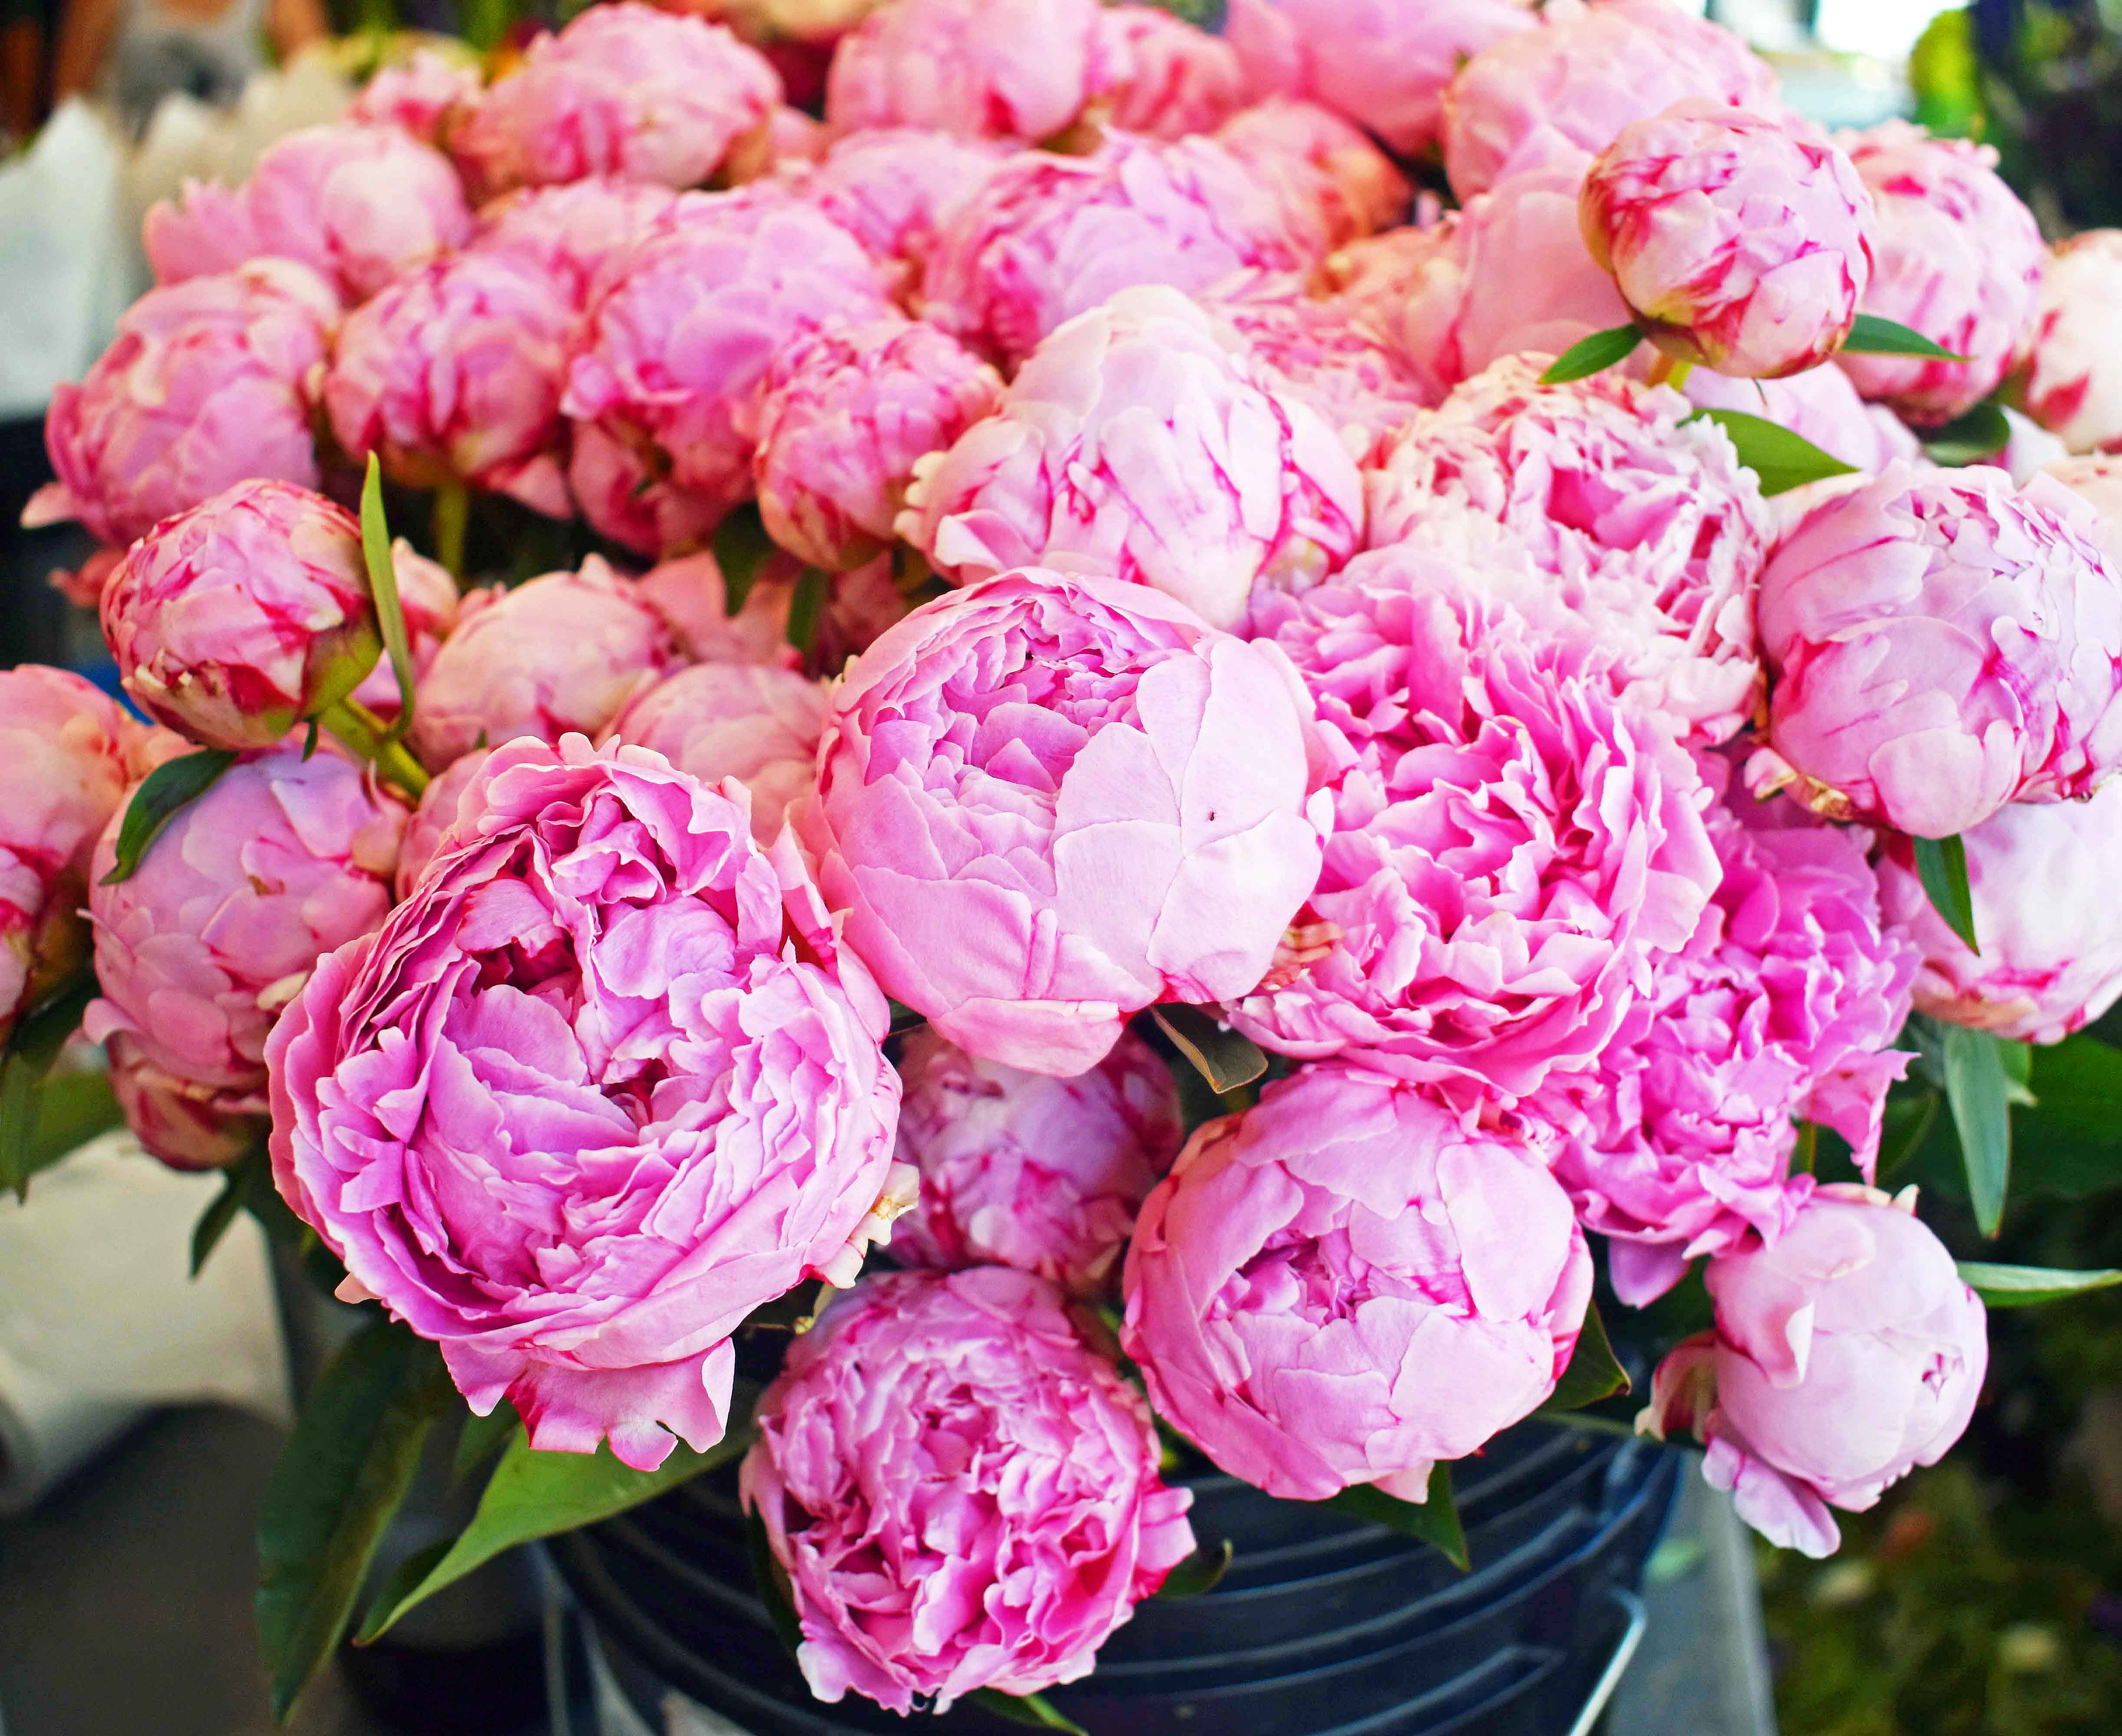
x,y
1048,800
963,1493
753,722
1323,170
422,93
622,485
1845,1354
692,593
1139,441
1941,643
981,68
2095,478
1348,1282
895,188
2073,360
575,235
206,383
1022,1169
428,830
602,1085
1159,76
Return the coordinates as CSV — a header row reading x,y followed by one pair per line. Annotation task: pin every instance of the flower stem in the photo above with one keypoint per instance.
x,y
452,508
365,734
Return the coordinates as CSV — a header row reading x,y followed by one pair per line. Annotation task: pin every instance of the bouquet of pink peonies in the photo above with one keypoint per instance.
x,y
1165,812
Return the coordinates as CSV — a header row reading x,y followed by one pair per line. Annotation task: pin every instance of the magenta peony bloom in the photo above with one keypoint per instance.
x,y
239,619
624,492
1348,1282
845,414
895,188
208,383
1585,74
1845,1354
426,833
1384,63
1046,237
1636,513
1941,643
559,655
1741,242
963,1493
1021,1169
623,90
1161,76
993,68
1958,258
1321,169
453,372
1513,853
2073,360
602,1086
1047,801
691,594
1140,443
575,235
756,724
422,93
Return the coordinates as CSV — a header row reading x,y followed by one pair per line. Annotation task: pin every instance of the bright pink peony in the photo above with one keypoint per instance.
x,y
1140,443
430,825
1845,1356
993,68
1941,643
422,93
208,383
1348,1282
1022,1169
963,1493
575,235
624,490
2073,360
1321,169
1958,258
1161,76
560,655
623,90
1047,801
603,1085
756,724
895,188
1741,241
845,414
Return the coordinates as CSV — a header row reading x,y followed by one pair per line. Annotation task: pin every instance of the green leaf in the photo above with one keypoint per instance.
x,y
1870,335
1941,865
214,1222
1594,1371
772,1580
383,586
1031,1709
806,609
1592,355
1982,433
71,1109
2021,1286
1781,460
155,803
481,1441
1908,1124
742,550
1434,1521
345,1470
32,1046
1200,1572
1976,1089
1222,1056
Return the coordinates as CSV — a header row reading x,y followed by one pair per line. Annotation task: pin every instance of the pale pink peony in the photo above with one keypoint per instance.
x,y
846,412
208,383
1845,1355
422,93
895,188
623,90
425,833
993,68
963,1492
1941,643
2097,478
1958,258
749,721
1159,76
1384,63
1022,1169
622,487
1389,279
1047,801
2074,358
575,234
1323,170
693,595
1138,442
560,655
602,1086
1348,1282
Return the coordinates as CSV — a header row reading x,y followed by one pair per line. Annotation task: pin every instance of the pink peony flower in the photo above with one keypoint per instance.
x,y
575,235
1941,643
1047,801
1384,63
239,619
1820,405
622,486
1138,442
357,204
1161,76
846,413
2074,358
1845,1355
1636,512
453,372
1321,169
1046,238
602,1086
1958,258
692,594
963,1493
559,655
1348,1282
1513,853
2096,480
623,90
993,68
429,827
895,188
1740,241
752,723
1021,1169
1386,279
1586,73
422,93
208,383
186,1126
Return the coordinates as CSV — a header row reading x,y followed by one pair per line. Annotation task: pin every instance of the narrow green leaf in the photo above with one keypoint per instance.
x,y
1781,460
383,586
155,803
806,609
1200,1572
72,1108
1594,1373
2018,1059
214,1222
1222,1056
1434,1521
1871,336
2021,1286
1975,1083
1972,439
481,1441
32,1046
1031,1709
1941,865
1592,355
742,550
1908,1126
772,1580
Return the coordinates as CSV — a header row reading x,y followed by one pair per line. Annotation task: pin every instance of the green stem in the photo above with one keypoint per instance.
x,y
452,506
365,734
